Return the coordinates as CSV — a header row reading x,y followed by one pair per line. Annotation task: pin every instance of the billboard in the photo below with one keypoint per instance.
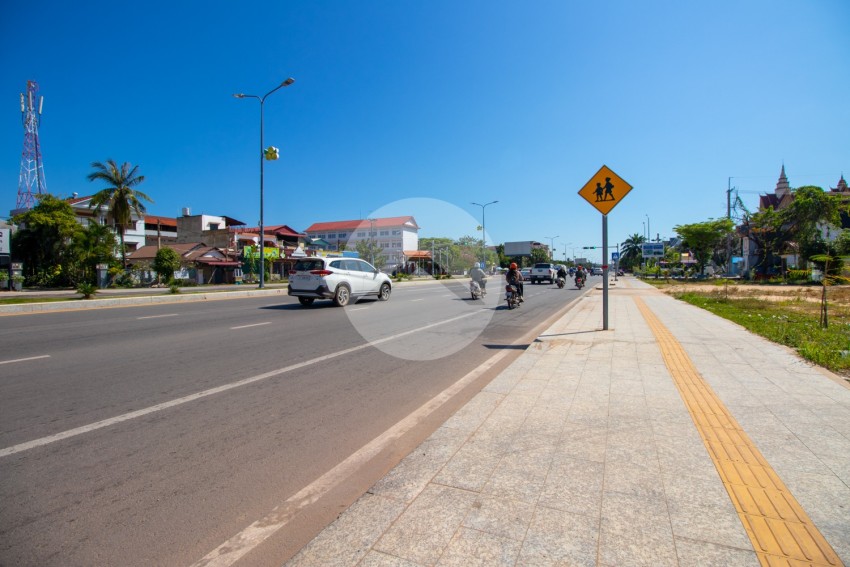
x,y
5,234
652,249
522,248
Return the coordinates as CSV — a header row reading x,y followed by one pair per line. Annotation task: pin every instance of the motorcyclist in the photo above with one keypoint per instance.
x,y
514,278
478,275
562,272
580,273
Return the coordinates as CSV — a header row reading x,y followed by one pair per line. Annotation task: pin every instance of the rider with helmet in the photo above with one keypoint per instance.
x,y
478,275
581,273
514,278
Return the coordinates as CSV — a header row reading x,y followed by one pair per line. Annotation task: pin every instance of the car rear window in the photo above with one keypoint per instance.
x,y
307,265
542,265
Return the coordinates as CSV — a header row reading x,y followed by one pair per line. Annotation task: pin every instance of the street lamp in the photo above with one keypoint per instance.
x,y
262,243
372,240
484,229
648,232
552,245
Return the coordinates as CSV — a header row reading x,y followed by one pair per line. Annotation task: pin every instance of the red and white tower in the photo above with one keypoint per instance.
x,y
31,182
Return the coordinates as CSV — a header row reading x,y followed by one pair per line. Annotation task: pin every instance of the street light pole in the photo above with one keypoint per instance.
x,y
372,240
552,245
262,240
648,232
484,231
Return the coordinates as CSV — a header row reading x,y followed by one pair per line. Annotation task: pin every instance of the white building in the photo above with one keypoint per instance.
x,y
394,235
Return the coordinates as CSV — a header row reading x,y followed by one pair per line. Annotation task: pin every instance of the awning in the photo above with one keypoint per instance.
x,y
218,262
417,254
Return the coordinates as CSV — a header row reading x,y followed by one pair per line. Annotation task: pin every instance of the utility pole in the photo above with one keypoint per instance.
x,y
729,217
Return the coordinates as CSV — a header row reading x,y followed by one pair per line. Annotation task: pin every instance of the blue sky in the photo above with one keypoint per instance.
x,y
454,101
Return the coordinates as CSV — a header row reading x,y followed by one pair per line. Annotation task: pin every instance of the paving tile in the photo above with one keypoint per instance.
x,y
635,531
473,414
704,554
412,474
473,465
701,510
573,485
471,548
350,537
501,517
520,475
425,529
556,537
378,559
633,477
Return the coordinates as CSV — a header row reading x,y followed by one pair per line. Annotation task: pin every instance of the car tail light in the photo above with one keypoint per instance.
x,y
292,272
321,272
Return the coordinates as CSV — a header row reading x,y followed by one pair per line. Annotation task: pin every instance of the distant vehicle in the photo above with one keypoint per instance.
x,y
596,271
526,274
543,271
340,279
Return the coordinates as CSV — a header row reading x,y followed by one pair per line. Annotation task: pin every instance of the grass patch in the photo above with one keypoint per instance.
x,y
20,300
792,323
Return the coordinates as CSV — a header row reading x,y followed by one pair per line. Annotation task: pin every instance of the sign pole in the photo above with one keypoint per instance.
x,y
604,272
603,191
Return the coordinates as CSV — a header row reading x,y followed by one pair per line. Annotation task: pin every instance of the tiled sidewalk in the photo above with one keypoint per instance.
x,y
583,452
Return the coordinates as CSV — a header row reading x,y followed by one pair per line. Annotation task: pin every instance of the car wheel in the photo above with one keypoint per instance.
x,y
306,301
384,294
342,295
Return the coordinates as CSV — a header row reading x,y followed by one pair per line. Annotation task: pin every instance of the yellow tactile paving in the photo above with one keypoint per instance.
x,y
780,530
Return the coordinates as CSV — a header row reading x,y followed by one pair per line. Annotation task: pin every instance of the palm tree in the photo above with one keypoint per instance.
x,y
632,251
119,197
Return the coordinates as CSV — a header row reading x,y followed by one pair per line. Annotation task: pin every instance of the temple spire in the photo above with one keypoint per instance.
x,y
782,186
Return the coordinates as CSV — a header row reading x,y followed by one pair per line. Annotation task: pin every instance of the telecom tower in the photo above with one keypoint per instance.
x,y
31,183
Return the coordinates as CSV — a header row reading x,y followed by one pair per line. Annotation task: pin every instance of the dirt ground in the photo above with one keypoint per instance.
x,y
836,295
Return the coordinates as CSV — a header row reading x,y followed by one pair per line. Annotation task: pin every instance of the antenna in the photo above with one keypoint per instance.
x,y
31,184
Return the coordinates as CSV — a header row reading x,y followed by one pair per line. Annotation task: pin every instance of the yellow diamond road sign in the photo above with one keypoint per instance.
x,y
605,190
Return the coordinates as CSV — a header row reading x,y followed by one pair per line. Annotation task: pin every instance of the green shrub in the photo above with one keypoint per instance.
x,y
87,290
174,288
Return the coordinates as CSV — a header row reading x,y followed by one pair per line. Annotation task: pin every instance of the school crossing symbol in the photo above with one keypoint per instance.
x,y
605,190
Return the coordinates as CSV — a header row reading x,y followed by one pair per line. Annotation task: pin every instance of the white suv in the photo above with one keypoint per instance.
x,y
340,279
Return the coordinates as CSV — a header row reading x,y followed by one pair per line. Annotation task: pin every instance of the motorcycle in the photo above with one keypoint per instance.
x,y
476,290
579,282
561,282
511,296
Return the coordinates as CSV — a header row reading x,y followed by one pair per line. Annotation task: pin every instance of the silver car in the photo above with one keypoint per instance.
x,y
340,279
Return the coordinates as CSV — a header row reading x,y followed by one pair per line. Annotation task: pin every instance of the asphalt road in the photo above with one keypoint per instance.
x,y
152,435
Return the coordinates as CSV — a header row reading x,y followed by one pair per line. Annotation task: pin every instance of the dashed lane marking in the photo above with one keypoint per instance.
x,y
251,325
24,359
780,530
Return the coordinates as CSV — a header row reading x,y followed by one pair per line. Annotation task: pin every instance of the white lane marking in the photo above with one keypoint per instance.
x,y
24,359
420,299
217,390
357,309
158,316
251,325
237,546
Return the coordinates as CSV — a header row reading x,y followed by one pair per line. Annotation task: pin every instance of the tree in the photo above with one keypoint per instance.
x,y
165,263
811,211
703,238
539,255
631,251
120,197
371,252
93,245
44,242
765,229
